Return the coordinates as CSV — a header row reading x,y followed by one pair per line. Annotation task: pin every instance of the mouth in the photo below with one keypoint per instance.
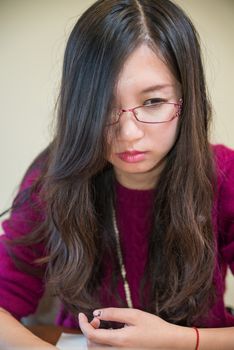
x,y
132,156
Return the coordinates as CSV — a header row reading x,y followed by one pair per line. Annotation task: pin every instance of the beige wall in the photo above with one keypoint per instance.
x,y
214,20
32,38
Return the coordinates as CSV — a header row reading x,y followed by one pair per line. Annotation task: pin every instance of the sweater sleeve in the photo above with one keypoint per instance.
x,y
20,291
226,207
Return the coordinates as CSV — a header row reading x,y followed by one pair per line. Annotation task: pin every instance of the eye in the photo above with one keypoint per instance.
x,y
153,101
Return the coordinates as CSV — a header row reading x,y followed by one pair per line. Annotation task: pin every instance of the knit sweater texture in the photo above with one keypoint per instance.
x,y
20,292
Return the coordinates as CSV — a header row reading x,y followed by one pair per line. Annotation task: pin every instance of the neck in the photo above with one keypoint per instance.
x,y
140,181
136,182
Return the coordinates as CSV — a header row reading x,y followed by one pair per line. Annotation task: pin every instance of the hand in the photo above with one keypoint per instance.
x,y
141,330
95,323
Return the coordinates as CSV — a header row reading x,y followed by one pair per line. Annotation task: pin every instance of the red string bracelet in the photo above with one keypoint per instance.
x,y
198,338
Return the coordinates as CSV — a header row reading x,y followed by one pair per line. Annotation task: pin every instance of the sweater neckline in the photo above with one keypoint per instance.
x,y
133,196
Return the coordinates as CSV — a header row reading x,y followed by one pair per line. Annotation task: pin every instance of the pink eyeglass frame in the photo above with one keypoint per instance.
x,y
179,104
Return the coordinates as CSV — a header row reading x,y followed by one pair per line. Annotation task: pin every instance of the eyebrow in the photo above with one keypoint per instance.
x,y
156,88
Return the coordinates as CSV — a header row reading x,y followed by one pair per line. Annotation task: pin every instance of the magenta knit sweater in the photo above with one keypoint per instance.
x,y
20,292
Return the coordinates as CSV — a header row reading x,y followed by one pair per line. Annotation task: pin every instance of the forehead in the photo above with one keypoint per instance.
x,y
144,68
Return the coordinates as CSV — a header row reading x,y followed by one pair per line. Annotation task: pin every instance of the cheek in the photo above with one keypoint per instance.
x,y
110,137
110,146
165,136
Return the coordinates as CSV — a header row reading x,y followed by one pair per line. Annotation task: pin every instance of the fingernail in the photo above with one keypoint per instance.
x,y
97,313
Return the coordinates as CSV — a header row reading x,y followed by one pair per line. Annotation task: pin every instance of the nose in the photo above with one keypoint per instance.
x,y
129,128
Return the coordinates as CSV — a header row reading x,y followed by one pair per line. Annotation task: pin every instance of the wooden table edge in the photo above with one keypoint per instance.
x,y
51,333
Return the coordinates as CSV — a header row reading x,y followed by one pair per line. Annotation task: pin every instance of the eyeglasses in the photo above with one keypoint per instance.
x,y
154,113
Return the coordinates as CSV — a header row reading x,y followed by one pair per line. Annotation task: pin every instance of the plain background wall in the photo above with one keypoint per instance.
x,y
33,36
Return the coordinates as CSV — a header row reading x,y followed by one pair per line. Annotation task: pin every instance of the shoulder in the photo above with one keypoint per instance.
x,y
31,185
28,205
28,211
35,171
223,161
222,154
224,167
224,157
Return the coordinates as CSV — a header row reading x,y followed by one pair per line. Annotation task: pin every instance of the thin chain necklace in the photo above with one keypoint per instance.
x,y
121,262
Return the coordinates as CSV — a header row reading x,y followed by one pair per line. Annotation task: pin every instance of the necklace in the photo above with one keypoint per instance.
x,y
121,262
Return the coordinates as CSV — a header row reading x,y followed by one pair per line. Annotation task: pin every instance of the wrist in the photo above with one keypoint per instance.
x,y
184,338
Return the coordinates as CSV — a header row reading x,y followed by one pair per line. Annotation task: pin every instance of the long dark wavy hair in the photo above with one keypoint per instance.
x,y
76,182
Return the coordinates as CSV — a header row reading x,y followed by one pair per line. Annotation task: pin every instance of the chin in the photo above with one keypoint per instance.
x,y
137,169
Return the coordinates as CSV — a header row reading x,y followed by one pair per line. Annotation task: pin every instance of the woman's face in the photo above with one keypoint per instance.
x,y
137,150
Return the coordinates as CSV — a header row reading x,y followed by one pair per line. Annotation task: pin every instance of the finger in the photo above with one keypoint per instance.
x,y
98,336
123,315
95,322
106,337
86,328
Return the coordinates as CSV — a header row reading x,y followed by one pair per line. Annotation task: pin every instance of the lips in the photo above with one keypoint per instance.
x,y
132,156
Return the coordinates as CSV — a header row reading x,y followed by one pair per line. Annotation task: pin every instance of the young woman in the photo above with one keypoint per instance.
x,y
128,214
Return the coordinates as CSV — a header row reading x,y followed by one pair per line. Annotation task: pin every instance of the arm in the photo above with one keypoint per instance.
x,y
144,330
22,339
21,290
217,338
